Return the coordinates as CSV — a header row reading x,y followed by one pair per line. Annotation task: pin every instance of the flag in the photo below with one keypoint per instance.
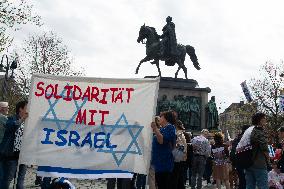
x,y
271,151
246,91
281,103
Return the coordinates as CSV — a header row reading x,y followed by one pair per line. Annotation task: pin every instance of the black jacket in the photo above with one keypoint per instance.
x,y
7,144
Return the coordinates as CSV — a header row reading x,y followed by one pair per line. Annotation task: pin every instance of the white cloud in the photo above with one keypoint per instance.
x,y
232,38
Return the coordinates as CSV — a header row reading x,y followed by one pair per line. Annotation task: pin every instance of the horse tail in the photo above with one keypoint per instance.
x,y
191,52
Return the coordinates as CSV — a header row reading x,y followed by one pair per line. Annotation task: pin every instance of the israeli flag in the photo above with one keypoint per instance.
x,y
271,151
246,91
281,103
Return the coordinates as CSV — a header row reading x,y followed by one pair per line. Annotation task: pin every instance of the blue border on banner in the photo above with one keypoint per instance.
x,y
77,171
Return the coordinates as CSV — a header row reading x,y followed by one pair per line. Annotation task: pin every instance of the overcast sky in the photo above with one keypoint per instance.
x,y
231,38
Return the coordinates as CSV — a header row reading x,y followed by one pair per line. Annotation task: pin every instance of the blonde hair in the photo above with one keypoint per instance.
x,y
205,131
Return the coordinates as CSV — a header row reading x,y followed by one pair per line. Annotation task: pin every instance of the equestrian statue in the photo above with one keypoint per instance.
x,y
165,48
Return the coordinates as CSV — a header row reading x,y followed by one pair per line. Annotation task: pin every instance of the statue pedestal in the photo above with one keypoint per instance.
x,y
185,97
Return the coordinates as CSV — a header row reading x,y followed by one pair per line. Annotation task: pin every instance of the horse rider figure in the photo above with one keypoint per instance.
x,y
169,41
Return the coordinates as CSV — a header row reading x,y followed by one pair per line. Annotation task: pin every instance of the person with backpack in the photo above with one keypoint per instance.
x,y
253,155
240,170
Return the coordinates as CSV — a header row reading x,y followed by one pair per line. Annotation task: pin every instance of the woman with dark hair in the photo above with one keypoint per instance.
x,y
163,143
220,156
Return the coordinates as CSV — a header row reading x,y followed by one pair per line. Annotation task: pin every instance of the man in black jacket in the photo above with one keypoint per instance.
x,y
257,174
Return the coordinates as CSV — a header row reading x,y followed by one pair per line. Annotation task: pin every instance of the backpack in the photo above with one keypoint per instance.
x,y
244,151
179,151
232,154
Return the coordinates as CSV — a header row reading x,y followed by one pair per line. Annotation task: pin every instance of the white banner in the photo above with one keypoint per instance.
x,y
91,124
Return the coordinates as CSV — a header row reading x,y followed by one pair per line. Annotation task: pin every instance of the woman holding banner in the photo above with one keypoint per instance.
x,y
163,143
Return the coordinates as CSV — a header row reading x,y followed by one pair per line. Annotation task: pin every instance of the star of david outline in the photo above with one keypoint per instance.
x,y
133,142
117,125
55,119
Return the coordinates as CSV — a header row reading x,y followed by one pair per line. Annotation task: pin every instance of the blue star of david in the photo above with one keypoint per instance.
x,y
59,121
117,125
134,137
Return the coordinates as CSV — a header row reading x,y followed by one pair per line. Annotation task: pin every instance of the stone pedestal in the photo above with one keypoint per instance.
x,y
182,95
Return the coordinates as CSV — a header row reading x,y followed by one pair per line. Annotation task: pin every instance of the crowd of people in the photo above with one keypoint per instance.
x,y
246,162
178,158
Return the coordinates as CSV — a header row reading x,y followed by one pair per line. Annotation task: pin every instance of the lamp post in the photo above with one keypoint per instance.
x,y
6,69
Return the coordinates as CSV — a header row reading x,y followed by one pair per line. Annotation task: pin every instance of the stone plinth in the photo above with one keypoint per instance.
x,y
180,96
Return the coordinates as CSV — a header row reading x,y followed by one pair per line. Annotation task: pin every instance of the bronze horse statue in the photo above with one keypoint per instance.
x,y
153,49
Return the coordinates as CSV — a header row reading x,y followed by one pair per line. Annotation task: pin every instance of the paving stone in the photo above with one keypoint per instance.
x,y
80,184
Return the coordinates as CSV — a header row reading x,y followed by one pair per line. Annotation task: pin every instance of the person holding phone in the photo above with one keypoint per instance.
x,y
163,143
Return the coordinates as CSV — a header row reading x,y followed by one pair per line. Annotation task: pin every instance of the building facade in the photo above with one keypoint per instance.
x,y
234,117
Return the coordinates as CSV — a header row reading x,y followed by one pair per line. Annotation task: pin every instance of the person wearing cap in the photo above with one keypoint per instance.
x,y
201,151
4,109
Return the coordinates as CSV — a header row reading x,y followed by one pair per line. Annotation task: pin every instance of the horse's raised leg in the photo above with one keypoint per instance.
x,y
141,61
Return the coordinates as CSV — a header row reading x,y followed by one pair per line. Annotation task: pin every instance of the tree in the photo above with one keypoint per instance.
x,y
12,16
266,91
45,54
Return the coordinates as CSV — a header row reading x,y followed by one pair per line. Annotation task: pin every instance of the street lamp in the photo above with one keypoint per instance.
x,y
6,68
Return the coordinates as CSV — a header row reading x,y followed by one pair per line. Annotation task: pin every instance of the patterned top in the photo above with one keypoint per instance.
x,y
201,146
220,154
18,138
181,141
275,179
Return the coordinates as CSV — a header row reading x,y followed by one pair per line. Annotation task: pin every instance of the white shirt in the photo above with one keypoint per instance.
x,y
201,146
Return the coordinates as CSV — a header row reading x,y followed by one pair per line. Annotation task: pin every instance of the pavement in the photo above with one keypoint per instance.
x,y
80,184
